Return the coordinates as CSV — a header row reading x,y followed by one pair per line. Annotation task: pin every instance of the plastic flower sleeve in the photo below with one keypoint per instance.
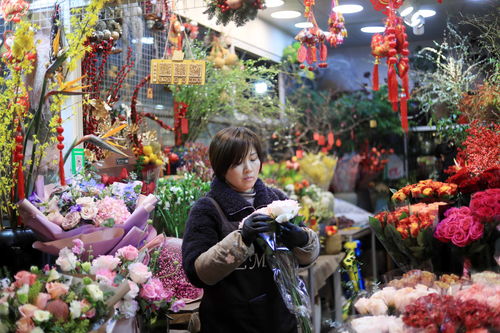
x,y
291,287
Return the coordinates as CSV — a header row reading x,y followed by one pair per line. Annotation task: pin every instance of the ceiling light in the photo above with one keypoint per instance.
x,y
416,20
425,12
286,14
373,29
407,11
274,3
347,9
304,25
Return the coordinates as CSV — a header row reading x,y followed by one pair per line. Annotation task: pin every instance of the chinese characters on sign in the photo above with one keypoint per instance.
x,y
165,71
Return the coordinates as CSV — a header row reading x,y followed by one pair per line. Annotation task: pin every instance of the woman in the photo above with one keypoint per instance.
x,y
240,294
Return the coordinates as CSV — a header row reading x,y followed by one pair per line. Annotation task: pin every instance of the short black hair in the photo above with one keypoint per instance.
x,y
230,146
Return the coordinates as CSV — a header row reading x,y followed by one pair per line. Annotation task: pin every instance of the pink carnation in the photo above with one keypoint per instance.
x,y
111,208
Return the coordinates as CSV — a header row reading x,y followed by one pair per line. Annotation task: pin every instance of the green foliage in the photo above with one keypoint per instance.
x,y
325,111
229,93
247,12
176,197
454,68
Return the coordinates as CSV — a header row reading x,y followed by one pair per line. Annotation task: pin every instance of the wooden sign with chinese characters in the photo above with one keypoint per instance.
x,y
166,71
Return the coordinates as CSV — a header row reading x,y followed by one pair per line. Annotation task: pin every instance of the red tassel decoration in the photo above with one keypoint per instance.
x,y
406,85
302,53
392,82
404,114
309,56
323,53
375,85
60,146
314,55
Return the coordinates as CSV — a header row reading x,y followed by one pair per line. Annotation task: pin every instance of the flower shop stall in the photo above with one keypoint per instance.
x,y
106,109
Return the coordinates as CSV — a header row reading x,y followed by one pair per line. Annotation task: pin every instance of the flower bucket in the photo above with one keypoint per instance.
x,y
333,244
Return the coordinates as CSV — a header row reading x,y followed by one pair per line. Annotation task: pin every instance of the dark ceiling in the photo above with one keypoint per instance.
x,y
434,26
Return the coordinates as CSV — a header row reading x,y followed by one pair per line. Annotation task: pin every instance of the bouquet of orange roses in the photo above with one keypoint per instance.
x,y
407,232
426,190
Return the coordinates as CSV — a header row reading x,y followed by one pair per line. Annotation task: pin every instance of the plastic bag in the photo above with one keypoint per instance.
x,y
292,289
346,173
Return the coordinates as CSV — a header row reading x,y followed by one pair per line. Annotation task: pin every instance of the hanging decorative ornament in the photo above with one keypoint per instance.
x,y
336,26
175,32
238,11
310,40
393,45
308,4
383,5
13,10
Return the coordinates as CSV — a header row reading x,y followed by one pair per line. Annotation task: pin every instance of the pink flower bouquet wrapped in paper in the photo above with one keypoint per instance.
x,y
105,218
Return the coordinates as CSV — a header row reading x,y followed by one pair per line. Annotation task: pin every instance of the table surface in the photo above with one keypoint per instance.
x,y
321,269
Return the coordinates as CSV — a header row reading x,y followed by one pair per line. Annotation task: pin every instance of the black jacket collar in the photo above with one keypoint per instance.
x,y
233,204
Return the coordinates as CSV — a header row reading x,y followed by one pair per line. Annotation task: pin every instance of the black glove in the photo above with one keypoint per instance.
x,y
292,235
253,226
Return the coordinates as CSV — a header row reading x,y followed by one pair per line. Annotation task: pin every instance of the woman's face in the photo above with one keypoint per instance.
x,y
242,177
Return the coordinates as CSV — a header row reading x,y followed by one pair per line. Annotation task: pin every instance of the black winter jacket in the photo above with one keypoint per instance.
x,y
247,300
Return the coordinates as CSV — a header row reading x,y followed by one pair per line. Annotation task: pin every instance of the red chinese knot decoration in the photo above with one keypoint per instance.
x,y
336,26
393,45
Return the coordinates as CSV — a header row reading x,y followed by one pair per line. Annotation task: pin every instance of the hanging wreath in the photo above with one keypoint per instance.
x,y
238,11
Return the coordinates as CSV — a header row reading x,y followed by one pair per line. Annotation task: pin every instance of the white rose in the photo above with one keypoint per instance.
x,y
95,292
387,295
139,273
377,307
37,330
40,315
88,212
106,262
75,309
53,275
283,210
361,305
128,308
67,260
4,308
85,201
133,292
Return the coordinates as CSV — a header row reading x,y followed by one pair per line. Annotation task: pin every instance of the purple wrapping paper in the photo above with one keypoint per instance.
x,y
134,237
103,240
